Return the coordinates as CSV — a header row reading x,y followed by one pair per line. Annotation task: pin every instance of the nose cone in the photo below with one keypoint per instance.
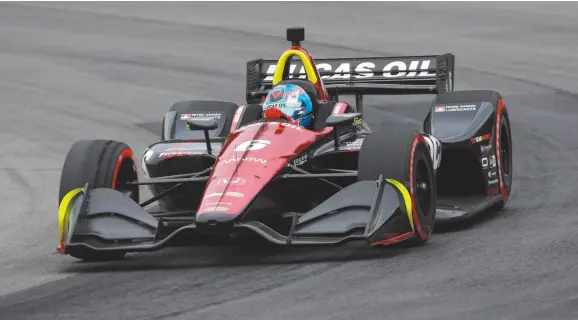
x,y
250,159
215,222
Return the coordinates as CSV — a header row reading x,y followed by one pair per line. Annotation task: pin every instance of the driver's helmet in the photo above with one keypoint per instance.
x,y
293,101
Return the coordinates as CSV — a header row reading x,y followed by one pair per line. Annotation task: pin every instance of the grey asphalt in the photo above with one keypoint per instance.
x,y
72,71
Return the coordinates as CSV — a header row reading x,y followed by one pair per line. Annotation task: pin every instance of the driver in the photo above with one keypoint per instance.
x,y
291,100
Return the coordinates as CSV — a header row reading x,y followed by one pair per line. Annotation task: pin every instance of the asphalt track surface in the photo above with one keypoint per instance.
x,y
109,70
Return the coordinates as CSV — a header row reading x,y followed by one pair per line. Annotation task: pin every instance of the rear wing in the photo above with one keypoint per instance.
x,y
363,76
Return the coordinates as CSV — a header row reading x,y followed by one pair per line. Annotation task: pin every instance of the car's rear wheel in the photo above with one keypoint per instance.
x,y
403,155
102,164
502,136
503,148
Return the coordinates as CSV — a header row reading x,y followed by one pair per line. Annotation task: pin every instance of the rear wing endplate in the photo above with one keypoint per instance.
x,y
363,76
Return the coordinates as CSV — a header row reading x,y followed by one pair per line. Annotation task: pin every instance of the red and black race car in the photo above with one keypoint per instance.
x,y
223,171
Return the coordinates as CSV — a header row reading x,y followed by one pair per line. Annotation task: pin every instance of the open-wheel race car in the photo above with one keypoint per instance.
x,y
221,170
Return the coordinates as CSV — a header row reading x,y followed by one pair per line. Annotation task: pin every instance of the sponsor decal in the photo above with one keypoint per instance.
x,y
481,138
362,69
440,109
491,174
493,181
276,95
485,148
201,116
300,160
353,145
252,145
248,159
216,209
463,107
275,105
226,194
231,181
484,162
357,121
292,95
218,203
492,161
172,154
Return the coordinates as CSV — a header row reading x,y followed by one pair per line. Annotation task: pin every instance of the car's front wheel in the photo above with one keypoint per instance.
x,y
402,154
102,164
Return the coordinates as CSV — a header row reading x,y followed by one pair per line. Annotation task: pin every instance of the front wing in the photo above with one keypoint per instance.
x,y
378,212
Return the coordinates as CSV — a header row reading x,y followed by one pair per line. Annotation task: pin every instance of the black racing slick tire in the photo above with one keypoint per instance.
x,y
403,155
102,164
503,148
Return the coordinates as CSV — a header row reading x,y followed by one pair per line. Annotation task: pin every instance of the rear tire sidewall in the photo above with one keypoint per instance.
x,y
424,217
505,160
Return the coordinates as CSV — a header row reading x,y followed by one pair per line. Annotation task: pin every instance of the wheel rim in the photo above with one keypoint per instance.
x,y
423,188
126,174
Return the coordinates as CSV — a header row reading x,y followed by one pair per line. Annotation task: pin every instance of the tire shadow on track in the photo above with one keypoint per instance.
x,y
467,224
175,258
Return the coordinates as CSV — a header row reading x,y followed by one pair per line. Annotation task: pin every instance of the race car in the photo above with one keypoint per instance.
x,y
228,171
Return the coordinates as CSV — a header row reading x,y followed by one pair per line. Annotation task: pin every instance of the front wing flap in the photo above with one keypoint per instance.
x,y
104,219
378,212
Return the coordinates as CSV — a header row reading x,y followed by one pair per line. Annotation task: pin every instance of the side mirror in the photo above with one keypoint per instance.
x,y
202,124
205,125
344,120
